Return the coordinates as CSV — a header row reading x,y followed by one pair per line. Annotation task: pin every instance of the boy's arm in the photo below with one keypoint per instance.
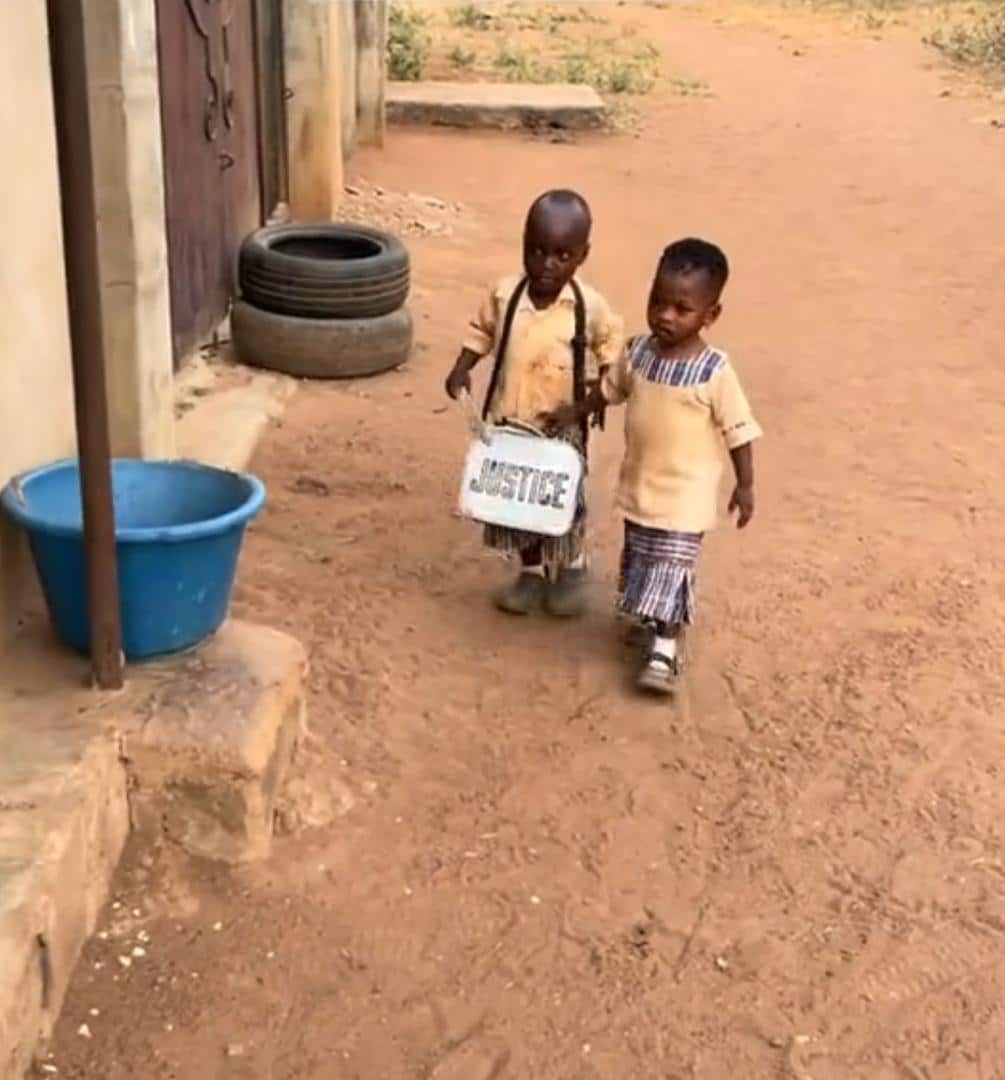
x,y
478,342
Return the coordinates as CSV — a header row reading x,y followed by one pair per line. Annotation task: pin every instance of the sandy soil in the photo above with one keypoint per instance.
x,y
520,869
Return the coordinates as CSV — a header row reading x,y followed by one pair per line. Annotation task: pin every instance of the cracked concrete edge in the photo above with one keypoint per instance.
x,y
224,409
41,935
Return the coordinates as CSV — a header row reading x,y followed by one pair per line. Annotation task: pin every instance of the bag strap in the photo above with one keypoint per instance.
x,y
579,347
507,330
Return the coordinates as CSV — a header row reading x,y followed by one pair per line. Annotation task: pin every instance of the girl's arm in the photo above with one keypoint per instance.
x,y
742,501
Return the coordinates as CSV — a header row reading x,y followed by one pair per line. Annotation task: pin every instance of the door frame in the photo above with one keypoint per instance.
x,y
273,153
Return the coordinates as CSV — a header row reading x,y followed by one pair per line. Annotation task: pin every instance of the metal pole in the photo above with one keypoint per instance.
x,y
80,242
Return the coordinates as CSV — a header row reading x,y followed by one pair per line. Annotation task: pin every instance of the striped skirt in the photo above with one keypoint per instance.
x,y
556,551
657,581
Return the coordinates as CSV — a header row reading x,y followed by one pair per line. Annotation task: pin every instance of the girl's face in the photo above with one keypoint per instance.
x,y
681,306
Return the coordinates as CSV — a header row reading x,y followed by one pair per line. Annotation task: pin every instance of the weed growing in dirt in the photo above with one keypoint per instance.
x,y
460,57
517,65
407,44
470,17
689,87
588,64
980,42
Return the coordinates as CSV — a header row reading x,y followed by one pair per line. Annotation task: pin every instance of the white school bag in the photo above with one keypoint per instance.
x,y
515,477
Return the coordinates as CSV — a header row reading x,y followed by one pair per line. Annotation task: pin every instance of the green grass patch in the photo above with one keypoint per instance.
x,y
407,44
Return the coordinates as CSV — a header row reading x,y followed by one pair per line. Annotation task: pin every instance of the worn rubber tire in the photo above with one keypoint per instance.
x,y
324,271
320,348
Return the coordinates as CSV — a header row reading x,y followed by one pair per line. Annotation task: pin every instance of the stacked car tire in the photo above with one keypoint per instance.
x,y
322,301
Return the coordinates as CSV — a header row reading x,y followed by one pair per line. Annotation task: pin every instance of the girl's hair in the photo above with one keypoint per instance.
x,y
687,256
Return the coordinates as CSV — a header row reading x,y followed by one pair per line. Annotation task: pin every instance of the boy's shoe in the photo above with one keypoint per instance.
x,y
566,596
523,595
659,675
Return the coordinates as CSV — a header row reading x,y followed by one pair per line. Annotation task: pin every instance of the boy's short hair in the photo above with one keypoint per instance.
x,y
687,256
564,197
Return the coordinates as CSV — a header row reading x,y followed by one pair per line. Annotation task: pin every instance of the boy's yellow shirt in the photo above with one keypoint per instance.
x,y
537,371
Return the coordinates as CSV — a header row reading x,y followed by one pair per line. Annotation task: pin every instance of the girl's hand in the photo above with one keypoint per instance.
x,y
565,416
742,504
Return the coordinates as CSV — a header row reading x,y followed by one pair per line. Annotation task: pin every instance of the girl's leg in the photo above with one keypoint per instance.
x,y
662,664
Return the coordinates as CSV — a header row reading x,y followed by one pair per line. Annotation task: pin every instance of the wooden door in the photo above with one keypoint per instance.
x,y
209,114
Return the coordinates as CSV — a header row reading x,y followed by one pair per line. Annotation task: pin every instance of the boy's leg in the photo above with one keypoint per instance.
x,y
566,596
525,593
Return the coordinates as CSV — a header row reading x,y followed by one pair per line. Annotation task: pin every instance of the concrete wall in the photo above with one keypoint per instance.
x,y
335,71
122,70
315,152
36,400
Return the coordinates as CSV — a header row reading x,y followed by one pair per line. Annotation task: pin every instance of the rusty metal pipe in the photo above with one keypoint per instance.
x,y
80,241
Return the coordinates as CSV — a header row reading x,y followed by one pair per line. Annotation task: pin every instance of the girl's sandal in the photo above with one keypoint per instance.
x,y
659,675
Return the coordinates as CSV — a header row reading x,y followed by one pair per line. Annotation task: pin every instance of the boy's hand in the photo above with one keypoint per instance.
x,y
742,504
458,381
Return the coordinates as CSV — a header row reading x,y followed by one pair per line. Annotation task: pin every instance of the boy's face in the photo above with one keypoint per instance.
x,y
681,306
555,245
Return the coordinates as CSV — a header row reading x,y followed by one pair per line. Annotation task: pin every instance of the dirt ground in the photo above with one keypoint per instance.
x,y
518,868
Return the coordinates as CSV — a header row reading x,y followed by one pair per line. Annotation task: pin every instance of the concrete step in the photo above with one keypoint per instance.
x,y
194,750
495,105
64,818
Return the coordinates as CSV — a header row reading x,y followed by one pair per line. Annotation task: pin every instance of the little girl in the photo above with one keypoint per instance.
x,y
684,402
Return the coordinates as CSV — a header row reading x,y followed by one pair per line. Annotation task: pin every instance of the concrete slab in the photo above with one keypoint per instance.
x,y
195,748
495,105
224,409
209,738
64,818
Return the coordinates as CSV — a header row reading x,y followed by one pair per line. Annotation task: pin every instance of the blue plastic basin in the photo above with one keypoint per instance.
x,y
178,533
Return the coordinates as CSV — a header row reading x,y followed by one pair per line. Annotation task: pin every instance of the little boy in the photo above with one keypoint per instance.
x,y
684,404
543,360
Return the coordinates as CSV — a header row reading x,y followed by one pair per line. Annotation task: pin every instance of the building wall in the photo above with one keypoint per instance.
x,y
36,400
330,80
122,71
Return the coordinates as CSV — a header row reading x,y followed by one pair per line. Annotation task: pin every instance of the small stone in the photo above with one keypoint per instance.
x,y
270,956
139,952
535,899
103,935
84,1032
722,963
217,927
47,1068
235,1050
351,189
137,914
95,1012
125,961
144,937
